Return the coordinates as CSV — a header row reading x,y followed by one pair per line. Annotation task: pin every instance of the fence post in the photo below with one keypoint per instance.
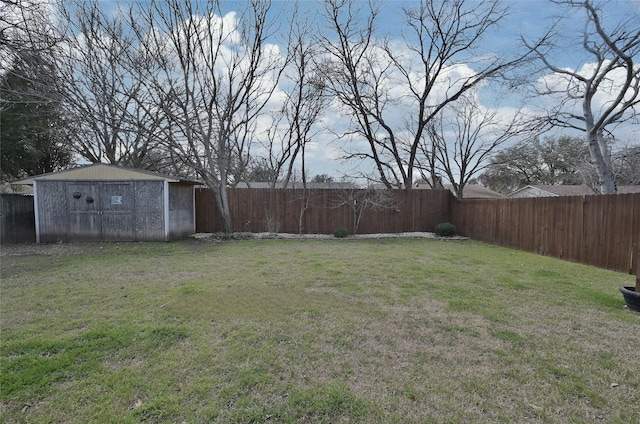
x,y
638,269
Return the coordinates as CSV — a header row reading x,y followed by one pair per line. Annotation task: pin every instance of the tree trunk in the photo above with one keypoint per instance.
x,y
304,204
638,272
459,191
222,201
603,166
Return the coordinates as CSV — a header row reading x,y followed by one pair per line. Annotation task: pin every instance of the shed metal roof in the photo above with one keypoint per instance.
x,y
104,172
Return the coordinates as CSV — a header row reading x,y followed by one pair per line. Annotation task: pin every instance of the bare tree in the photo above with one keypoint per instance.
x,y
433,66
100,82
613,73
463,141
626,164
361,200
27,36
349,77
214,75
294,122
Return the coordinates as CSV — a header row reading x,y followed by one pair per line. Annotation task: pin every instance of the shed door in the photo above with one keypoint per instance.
x,y
117,211
84,211
100,211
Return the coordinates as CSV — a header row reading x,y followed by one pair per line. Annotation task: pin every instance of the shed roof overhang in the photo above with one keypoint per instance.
x,y
104,172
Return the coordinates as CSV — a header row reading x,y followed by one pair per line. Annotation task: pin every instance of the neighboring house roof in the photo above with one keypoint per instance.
x,y
629,189
426,186
470,191
298,185
476,191
564,190
380,186
103,172
552,191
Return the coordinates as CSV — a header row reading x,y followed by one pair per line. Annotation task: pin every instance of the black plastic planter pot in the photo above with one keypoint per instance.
x,y
631,298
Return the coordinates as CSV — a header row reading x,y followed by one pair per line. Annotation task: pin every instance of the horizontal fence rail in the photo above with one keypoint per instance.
x,y
603,231
323,211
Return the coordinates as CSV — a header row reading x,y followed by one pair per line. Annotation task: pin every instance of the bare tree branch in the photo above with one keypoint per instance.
x,y
463,144
435,63
213,77
614,74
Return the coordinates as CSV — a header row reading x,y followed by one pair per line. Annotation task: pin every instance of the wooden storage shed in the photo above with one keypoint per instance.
x,y
102,202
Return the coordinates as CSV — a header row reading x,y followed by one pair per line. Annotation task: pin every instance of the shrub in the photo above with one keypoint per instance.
x,y
445,229
340,232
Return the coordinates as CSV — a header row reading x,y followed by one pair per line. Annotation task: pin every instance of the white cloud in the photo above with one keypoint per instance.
x,y
566,91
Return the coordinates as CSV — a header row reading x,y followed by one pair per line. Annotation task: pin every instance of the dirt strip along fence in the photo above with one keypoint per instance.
x,y
603,231
17,218
279,210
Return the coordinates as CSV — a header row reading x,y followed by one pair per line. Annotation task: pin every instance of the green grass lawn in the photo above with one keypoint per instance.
x,y
314,331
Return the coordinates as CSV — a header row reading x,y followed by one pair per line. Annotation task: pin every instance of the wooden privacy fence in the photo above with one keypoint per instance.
x,y
17,218
282,210
603,231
